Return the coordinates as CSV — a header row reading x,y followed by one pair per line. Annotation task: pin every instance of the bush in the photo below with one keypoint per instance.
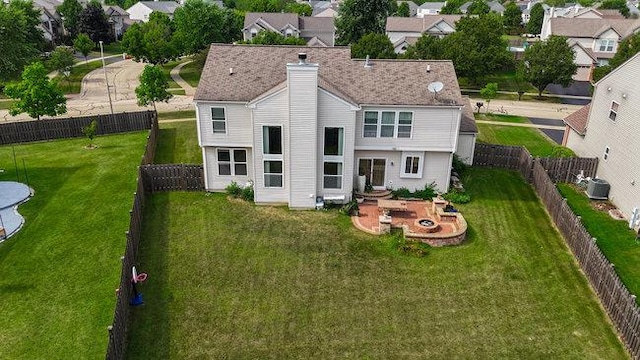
x,y
428,193
457,197
402,192
562,152
458,165
234,189
351,208
247,193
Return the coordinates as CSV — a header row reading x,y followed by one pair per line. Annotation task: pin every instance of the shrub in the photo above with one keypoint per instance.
x,y
247,193
351,208
457,197
562,152
402,192
458,165
90,131
234,189
428,193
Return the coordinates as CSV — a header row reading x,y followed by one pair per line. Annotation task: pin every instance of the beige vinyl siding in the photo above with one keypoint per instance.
x,y
433,129
335,113
272,112
622,136
217,182
301,144
466,146
435,168
238,125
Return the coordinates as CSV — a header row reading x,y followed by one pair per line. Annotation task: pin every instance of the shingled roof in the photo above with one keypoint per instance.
x,y
578,120
591,28
259,68
416,24
468,121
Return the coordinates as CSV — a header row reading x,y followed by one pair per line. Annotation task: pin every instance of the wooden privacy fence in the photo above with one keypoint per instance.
x,y
173,177
118,329
616,299
49,129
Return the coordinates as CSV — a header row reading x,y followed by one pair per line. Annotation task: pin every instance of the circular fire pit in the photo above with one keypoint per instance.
x,y
427,225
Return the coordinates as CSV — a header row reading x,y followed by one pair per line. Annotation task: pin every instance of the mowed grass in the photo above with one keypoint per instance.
x,y
531,138
191,72
501,118
617,242
180,114
73,84
58,274
178,144
228,279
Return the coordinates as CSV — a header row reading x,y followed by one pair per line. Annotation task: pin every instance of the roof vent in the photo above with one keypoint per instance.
x,y
367,63
428,68
302,58
230,71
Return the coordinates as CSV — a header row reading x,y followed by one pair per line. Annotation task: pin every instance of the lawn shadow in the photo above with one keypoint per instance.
x,y
150,324
166,144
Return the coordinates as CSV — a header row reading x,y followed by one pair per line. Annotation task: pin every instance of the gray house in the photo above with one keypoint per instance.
x,y
317,31
302,122
609,129
403,31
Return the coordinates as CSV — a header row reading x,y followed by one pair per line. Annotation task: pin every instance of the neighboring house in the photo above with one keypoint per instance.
x,y
141,10
429,8
413,7
598,38
303,122
525,7
118,18
609,129
494,6
324,8
50,19
403,31
317,31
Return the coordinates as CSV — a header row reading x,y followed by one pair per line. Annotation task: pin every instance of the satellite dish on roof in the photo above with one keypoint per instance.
x,y
435,86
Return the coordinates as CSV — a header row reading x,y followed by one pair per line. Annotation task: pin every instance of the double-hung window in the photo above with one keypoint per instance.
x,y
412,164
613,111
219,120
333,158
232,162
606,45
388,124
272,152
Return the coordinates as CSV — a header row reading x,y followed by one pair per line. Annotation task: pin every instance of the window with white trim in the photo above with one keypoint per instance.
x,y
333,157
254,33
388,124
272,140
219,120
613,111
272,153
605,156
606,45
232,162
273,173
412,164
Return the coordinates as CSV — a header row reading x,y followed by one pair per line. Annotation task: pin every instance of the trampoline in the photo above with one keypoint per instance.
x,y
12,194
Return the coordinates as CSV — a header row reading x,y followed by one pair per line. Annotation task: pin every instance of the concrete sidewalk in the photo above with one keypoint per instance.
x,y
532,109
175,75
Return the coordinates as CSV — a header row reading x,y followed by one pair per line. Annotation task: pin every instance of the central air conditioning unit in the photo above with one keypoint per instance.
x,y
598,189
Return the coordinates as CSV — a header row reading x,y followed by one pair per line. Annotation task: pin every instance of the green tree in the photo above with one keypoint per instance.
x,y
489,92
478,7
403,10
83,44
426,48
477,47
197,24
93,22
90,132
512,18
62,59
70,11
119,3
620,5
376,46
549,62
274,38
359,17
233,22
129,3
452,7
153,87
36,94
300,9
151,42
20,40
534,26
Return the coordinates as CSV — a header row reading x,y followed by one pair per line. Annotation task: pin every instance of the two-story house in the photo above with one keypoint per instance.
x,y
303,122
403,31
609,128
118,18
317,31
429,8
141,10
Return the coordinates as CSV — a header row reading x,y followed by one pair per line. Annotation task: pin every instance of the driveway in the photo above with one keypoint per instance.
x,y
555,135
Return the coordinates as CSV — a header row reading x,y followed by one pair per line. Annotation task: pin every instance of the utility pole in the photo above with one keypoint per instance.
x,y
106,80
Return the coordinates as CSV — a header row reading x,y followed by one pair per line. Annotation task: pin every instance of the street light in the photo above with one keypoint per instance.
x,y
106,80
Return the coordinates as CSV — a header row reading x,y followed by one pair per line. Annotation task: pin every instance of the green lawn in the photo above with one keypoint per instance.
x,y
502,118
191,72
5,104
614,238
59,273
233,280
178,143
74,83
181,114
166,69
531,138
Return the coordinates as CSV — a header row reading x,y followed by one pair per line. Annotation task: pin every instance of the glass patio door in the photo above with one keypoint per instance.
x,y
374,170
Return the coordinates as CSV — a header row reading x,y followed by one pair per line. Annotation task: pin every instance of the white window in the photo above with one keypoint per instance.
x,y
272,152
232,162
613,111
288,33
606,45
412,164
219,120
605,156
254,33
333,157
388,124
